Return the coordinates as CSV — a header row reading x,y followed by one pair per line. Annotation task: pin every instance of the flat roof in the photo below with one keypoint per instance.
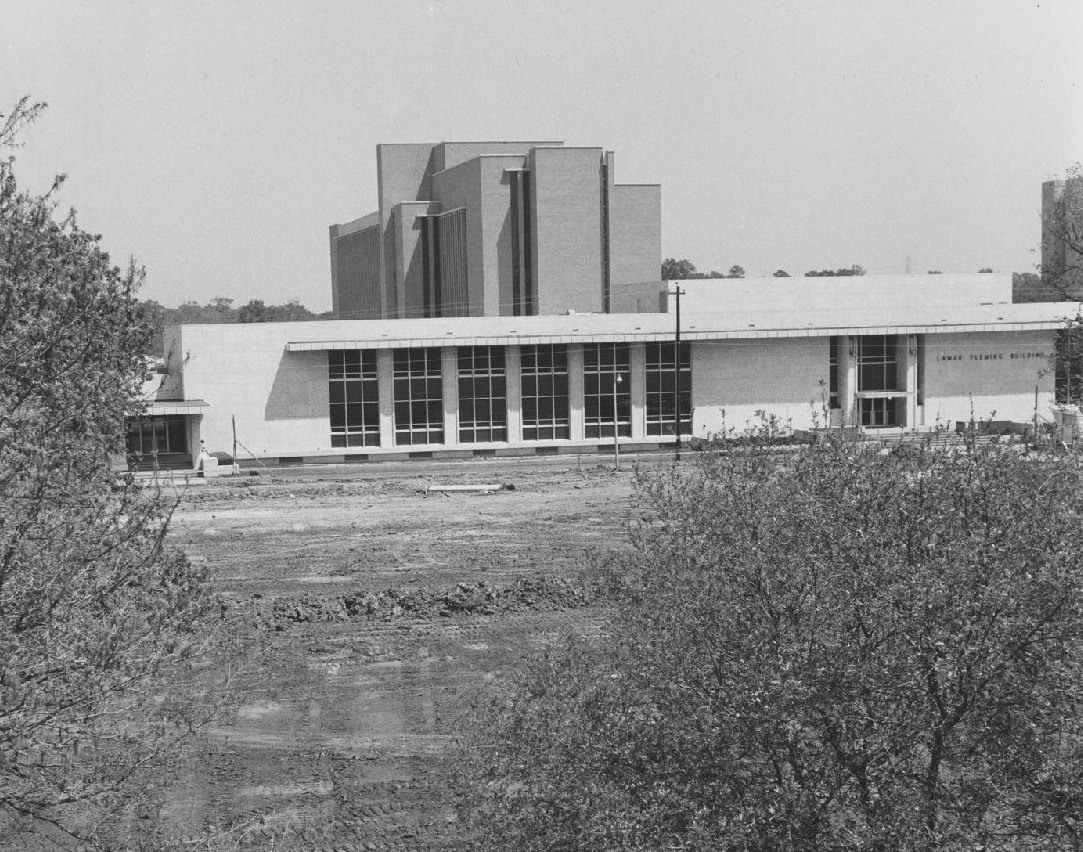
x,y
177,406
647,327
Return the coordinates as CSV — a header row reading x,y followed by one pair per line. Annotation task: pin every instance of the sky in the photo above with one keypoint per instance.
x,y
215,142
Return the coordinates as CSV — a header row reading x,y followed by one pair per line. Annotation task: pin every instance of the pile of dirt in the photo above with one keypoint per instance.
x,y
463,599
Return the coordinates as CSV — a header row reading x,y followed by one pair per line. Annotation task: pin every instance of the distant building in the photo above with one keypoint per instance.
x,y
903,353
504,300
498,229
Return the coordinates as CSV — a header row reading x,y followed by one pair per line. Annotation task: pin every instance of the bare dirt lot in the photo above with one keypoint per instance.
x,y
384,612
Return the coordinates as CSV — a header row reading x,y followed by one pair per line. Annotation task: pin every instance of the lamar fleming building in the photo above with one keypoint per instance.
x,y
504,299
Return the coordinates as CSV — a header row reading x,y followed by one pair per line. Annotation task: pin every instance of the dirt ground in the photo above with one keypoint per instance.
x,y
385,611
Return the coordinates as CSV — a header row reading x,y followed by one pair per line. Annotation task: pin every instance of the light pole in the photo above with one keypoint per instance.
x,y
677,379
616,422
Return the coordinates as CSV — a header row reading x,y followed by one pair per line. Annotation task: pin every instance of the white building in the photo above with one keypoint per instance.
x,y
875,352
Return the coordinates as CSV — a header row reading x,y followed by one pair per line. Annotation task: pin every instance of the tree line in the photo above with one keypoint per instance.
x,y
684,270
221,310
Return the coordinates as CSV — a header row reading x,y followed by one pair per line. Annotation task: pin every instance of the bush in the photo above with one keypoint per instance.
x,y
837,649
100,622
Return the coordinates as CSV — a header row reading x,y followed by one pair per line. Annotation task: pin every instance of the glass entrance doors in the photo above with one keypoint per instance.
x,y
156,437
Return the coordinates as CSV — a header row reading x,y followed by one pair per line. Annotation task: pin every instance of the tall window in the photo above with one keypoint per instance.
x,y
544,383
878,363
877,377
354,394
483,404
524,299
833,373
603,363
443,261
419,397
660,384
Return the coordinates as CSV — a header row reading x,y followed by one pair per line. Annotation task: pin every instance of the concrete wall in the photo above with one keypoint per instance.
x,y
992,374
279,398
566,200
731,380
821,297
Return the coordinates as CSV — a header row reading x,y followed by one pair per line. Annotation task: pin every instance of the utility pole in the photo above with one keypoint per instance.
x,y
677,378
616,423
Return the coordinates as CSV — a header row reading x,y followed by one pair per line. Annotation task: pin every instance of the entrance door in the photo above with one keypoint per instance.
x,y
162,438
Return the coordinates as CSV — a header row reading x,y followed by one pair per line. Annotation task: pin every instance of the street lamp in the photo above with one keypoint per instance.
x,y
616,422
677,377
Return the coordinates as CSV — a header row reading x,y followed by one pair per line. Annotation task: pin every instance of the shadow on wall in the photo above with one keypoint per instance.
x,y
299,389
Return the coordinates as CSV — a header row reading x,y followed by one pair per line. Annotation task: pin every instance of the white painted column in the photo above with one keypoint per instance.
x,y
575,390
848,379
385,375
908,350
637,360
449,375
513,367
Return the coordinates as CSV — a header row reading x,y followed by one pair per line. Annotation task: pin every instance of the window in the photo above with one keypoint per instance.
x,y
419,397
483,405
354,395
877,363
881,402
660,382
157,435
524,299
833,373
880,411
443,263
544,383
603,365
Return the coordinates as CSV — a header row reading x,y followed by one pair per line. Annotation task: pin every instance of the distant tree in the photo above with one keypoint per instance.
x,y
1029,287
221,305
735,271
934,272
291,311
985,269
781,273
254,311
677,270
836,649
221,310
836,273
154,316
716,274
99,619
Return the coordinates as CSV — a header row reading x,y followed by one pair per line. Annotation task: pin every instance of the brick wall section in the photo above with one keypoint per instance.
x,y
356,273
403,173
566,207
409,259
461,187
635,247
448,155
